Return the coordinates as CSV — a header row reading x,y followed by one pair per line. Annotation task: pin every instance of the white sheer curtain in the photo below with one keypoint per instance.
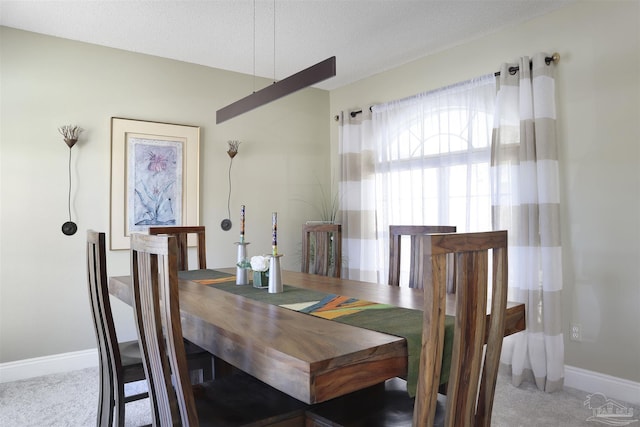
x,y
433,160
527,203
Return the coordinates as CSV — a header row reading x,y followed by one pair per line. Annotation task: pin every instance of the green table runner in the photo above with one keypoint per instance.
x,y
398,321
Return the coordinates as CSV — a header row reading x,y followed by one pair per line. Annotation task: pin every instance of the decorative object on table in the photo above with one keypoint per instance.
x,y
232,151
154,177
70,134
275,277
242,264
242,276
242,217
274,233
260,267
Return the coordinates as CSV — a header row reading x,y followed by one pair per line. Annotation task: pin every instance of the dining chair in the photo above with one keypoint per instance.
x,y
322,249
120,363
474,365
234,400
396,232
182,234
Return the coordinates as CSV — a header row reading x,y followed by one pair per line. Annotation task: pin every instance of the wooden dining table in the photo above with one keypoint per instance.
x,y
310,358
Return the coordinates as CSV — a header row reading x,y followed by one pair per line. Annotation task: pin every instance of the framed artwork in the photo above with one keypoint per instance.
x,y
154,177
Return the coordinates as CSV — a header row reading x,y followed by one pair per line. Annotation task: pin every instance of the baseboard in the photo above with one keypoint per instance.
x,y
46,365
581,379
594,382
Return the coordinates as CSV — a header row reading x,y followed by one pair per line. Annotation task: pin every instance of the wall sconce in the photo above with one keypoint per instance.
x,y
231,151
70,134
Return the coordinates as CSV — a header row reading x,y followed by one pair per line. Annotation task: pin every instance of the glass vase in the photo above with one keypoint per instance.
x,y
261,279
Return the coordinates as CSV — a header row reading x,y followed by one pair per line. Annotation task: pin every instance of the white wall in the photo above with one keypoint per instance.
x,y
47,82
598,85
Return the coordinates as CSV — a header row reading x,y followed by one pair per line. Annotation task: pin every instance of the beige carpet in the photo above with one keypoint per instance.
x,y
70,400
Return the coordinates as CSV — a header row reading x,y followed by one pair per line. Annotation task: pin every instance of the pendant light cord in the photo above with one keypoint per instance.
x,y
274,41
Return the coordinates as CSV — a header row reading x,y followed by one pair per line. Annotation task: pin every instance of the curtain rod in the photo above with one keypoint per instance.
x,y
555,58
353,114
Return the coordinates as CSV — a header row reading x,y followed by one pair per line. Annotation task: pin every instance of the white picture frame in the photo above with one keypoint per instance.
x,y
154,177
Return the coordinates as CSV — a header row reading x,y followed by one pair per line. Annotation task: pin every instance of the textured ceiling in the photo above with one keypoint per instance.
x,y
366,36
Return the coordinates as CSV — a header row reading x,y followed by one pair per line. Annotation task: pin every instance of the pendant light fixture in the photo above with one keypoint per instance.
x,y
300,80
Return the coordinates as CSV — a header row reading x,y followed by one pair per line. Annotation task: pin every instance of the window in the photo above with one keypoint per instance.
x,y
433,162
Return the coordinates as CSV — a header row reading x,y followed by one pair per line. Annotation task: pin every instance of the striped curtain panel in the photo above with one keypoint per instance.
x,y
357,195
526,202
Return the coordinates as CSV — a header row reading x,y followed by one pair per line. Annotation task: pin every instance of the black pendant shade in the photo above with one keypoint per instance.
x,y
302,79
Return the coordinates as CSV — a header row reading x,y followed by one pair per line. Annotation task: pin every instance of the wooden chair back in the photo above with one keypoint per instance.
x,y
108,353
395,243
322,249
182,234
154,266
474,369
113,374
